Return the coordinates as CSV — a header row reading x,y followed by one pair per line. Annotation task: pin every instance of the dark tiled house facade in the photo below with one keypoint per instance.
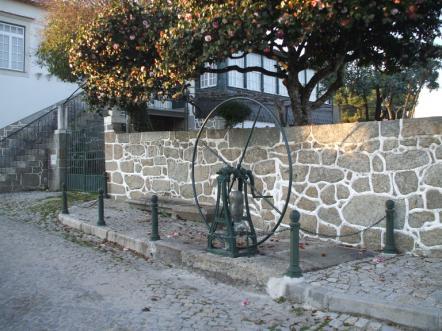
x,y
211,89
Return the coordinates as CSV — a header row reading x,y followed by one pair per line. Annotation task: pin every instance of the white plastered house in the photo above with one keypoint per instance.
x,y
25,87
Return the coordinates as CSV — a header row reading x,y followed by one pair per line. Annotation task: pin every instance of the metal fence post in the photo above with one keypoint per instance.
x,y
390,247
154,205
101,221
294,270
105,179
65,209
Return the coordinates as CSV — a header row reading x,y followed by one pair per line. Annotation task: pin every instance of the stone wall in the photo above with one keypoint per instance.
x,y
343,175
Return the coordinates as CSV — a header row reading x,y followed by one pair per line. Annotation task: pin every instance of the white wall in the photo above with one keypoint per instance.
x,y
24,93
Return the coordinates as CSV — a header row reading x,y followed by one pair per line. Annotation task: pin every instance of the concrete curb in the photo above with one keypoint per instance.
x,y
241,270
324,298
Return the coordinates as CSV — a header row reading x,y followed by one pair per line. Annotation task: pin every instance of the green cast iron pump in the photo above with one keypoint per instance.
x,y
231,228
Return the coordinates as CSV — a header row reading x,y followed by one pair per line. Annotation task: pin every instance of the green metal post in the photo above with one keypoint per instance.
x,y
105,179
65,209
154,205
294,270
390,247
101,221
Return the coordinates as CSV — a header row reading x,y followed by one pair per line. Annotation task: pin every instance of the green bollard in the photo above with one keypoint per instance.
x,y
154,205
294,270
390,247
101,221
65,209
105,180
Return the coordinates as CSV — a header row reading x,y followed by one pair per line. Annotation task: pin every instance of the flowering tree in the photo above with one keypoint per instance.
x,y
63,21
142,48
322,35
116,55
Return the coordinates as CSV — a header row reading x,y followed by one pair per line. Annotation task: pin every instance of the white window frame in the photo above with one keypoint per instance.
x,y
282,89
160,105
209,79
253,78
11,36
269,82
235,78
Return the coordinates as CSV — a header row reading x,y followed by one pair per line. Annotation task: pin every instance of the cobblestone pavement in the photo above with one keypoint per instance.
x,y
55,279
401,279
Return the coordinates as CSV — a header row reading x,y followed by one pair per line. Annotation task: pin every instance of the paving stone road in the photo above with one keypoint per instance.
x,y
55,279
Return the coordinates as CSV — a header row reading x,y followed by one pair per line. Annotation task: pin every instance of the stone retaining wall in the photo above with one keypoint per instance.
x,y
343,174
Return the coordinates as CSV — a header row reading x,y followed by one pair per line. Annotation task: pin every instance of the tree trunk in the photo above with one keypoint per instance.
x,y
378,111
138,119
390,109
367,115
281,112
298,108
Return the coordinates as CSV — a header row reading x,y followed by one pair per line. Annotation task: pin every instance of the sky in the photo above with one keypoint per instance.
x,y
430,102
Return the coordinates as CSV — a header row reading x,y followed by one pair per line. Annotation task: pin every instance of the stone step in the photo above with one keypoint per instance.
x,y
19,164
9,179
25,170
178,208
40,152
6,151
7,170
34,160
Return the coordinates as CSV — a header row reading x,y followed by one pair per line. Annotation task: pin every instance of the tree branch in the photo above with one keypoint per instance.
x,y
331,89
278,74
323,72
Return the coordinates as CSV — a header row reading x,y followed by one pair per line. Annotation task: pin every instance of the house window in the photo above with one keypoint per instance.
x,y
254,78
235,78
282,89
269,82
208,79
157,104
12,47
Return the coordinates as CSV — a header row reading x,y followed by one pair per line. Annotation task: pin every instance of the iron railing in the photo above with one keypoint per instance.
x,y
25,152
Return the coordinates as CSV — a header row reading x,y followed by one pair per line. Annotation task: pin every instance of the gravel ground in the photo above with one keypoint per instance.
x,y
52,278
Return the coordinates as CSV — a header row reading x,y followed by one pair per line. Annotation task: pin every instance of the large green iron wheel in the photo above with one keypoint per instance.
x,y
242,148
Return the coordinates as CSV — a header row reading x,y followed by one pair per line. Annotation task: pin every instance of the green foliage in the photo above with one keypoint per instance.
x,y
321,35
233,112
140,49
370,94
63,22
117,57
280,300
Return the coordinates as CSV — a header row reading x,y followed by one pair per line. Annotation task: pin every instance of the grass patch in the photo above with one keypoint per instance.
x,y
298,311
322,325
51,206
274,328
280,300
